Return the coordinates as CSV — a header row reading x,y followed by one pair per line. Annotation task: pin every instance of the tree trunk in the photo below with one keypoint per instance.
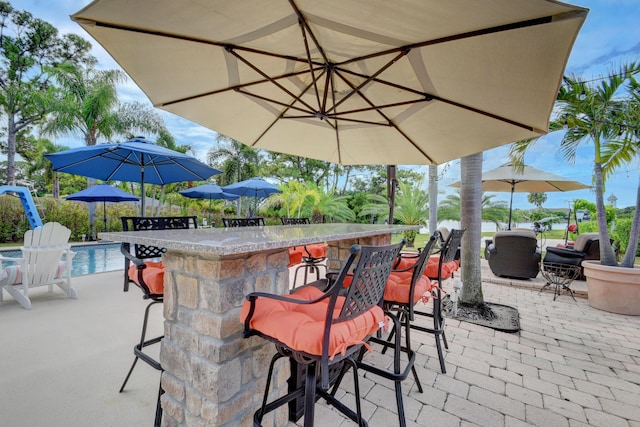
x,y
632,248
11,150
471,220
607,255
56,186
433,198
90,141
92,213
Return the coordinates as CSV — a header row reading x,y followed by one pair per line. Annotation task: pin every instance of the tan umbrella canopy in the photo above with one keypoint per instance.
x,y
507,178
348,81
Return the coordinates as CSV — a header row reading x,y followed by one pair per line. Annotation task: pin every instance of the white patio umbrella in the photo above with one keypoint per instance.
x,y
355,82
506,178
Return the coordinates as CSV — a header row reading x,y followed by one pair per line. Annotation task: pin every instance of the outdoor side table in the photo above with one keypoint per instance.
x,y
560,277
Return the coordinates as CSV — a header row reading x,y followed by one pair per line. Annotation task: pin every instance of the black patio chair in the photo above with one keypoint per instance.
x,y
310,263
447,253
148,276
330,318
242,222
404,289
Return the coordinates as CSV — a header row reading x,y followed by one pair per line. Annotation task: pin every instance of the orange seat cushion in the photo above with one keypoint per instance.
x,y
295,255
316,250
301,326
153,276
399,285
431,270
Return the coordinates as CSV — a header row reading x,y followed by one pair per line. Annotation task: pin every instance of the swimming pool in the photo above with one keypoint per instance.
x,y
89,259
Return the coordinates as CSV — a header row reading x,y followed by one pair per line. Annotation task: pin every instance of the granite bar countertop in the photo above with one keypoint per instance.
x,y
232,241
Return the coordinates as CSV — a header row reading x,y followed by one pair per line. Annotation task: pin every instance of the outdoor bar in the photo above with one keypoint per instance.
x,y
212,376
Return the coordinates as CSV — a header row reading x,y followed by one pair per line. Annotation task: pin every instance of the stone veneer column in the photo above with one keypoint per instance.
x,y
213,376
338,251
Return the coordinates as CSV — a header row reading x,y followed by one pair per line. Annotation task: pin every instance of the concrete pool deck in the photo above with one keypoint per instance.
x,y
62,363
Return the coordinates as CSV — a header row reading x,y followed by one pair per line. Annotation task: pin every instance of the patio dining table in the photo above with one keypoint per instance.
x,y
212,376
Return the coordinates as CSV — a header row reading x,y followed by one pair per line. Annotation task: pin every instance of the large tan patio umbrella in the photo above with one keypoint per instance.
x,y
507,178
354,82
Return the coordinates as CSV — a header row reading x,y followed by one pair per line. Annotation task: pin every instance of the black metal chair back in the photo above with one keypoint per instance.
x,y
243,222
295,221
449,249
144,252
365,291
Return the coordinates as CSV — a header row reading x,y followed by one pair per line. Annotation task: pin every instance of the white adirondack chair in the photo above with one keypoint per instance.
x,y
46,261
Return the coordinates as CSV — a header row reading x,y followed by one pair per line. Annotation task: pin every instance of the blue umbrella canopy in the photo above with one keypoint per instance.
x,y
103,193
135,160
208,191
252,187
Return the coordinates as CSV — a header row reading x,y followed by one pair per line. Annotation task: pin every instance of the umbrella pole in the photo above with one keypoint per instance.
x,y
104,212
143,196
391,190
511,205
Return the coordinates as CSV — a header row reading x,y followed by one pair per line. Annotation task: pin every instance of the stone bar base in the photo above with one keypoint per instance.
x,y
338,251
213,376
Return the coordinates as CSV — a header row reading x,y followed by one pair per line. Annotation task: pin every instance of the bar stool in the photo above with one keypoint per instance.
x,y
313,255
323,329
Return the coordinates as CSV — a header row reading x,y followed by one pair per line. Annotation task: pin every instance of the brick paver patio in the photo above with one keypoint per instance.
x,y
570,365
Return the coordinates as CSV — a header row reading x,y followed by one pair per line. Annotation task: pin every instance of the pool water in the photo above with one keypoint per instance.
x,y
89,259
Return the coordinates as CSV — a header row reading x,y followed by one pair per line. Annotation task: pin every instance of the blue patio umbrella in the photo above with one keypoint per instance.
x,y
136,160
252,187
103,193
208,191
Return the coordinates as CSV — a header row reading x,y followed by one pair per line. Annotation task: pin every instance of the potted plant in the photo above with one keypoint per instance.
x,y
603,113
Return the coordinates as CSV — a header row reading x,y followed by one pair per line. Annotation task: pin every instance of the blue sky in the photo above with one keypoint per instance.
x,y
609,37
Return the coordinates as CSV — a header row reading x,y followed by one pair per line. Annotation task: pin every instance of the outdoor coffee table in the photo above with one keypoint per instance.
x,y
560,277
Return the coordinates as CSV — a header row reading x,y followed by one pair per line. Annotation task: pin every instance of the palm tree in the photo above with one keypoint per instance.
x,y
292,199
411,207
470,219
592,114
236,161
91,109
537,199
632,115
328,206
165,139
40,165
492,211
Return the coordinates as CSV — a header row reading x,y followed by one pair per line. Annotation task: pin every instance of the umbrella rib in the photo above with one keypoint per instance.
x,y
130,28
235,87
370,78
303,21
303,27
335,121
431,97
376,107
263,74
274,101
391,123
253,144
469,34
341,119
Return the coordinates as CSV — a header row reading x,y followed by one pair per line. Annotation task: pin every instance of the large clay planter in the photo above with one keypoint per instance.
x,y
613,289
